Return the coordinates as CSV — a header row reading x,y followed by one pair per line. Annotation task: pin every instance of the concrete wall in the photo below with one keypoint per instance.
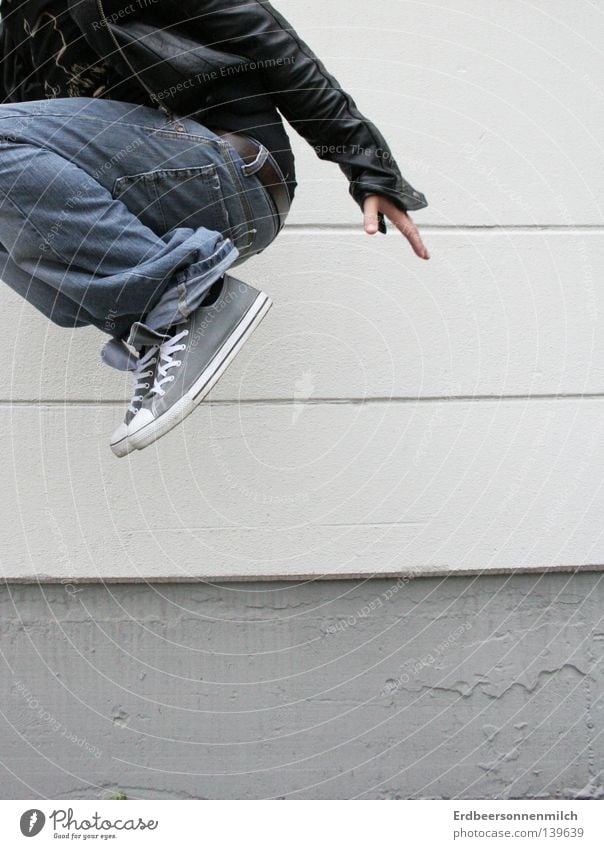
x,y
460,687
390,417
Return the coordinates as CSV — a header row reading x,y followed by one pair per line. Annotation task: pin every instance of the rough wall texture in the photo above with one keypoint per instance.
x,y
486,687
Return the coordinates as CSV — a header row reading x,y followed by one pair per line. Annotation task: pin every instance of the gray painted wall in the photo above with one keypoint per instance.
x,y
390,414
459,687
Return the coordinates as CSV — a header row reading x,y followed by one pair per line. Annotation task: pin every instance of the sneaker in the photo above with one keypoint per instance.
x,y
143,367
194,356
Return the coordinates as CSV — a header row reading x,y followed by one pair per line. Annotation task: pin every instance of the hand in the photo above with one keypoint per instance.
x,y
401,220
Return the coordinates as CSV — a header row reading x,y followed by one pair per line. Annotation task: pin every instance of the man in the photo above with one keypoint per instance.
x,y
143,155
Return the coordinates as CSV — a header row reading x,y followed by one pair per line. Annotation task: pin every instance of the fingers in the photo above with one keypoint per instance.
x,y
408,228
370,214
400,219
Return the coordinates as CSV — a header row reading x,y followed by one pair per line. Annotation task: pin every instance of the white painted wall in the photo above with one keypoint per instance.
x,y
390,414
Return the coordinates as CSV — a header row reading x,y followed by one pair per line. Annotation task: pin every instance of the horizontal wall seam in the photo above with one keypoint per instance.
x,y
286,402
355,229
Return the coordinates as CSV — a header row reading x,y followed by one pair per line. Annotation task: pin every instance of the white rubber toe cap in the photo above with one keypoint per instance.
x,y
119,441
141,419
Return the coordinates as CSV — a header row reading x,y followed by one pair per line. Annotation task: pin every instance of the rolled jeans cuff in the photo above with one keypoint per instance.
x,y
190,287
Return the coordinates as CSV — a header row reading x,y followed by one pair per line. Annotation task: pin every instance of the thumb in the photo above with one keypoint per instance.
x,y
370,215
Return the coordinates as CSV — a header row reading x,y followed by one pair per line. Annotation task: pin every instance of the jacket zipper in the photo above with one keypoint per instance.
x,y
166,109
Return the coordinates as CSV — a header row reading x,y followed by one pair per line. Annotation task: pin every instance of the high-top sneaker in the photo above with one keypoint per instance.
x,y
116,354
194,356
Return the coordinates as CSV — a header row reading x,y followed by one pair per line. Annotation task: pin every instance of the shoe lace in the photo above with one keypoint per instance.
x,y
143,369
166,351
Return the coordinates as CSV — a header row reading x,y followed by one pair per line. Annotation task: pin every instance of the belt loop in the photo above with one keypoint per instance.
x,y
250,168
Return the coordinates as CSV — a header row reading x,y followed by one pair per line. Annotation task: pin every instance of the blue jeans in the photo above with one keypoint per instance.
x,y
110,213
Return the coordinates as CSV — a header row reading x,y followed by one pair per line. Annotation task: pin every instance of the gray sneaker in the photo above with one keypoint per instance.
x,y
143,369
194,356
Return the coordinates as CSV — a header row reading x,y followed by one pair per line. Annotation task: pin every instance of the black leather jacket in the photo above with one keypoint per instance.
x,y
192,55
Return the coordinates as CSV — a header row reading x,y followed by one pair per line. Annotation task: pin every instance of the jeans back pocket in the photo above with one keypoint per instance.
x,y
165,198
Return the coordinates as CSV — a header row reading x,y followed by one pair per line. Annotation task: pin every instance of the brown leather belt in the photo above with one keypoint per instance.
x,y
269,176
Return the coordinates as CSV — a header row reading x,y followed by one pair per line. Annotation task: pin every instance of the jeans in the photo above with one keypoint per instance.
x,y
111,213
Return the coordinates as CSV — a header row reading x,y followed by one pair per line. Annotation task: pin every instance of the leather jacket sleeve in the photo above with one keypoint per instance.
x,y
306,94
3,91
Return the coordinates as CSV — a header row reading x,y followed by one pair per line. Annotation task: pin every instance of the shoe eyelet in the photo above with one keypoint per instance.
x,y
178,362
